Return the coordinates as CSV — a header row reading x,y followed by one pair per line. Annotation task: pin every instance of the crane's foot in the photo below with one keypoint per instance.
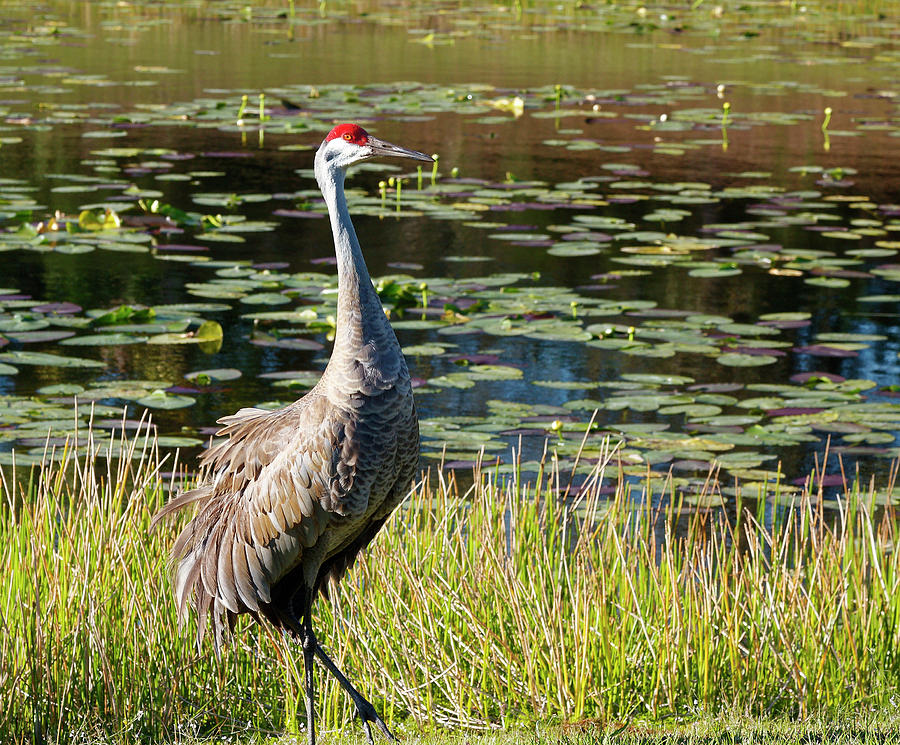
x,y
364,709
366,713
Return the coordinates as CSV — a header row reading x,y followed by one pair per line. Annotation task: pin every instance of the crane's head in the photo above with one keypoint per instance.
x,y
347,144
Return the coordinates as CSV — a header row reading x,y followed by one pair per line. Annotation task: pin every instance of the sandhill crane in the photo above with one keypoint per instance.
x,y
291,497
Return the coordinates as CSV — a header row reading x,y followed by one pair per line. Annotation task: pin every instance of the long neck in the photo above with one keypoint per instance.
x,y
360,316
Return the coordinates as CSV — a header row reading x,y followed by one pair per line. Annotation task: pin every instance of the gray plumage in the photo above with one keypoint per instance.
x,y
290,498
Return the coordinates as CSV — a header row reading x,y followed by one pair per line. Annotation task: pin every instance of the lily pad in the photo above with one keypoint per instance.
x,y
159,399
208,332
216,375
45,359
266,298
736,359
104,340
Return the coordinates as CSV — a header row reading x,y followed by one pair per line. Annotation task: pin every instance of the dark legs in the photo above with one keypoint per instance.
x,y
310,645
311,648
364,709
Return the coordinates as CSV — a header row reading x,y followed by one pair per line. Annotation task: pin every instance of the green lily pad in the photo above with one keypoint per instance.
x,y
216,375
652,379
209,332
159,399
424,350
569,385
37,337
693,411
842,337
832,282
574,248
452,380
44,359
122,314
494,372
103,340
712,272
176,441
61,389
786,316
294,378
736,359
266,298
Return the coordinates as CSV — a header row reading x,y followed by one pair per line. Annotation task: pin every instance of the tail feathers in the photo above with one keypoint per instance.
x,y
186,574
203,603
234,421
189,590
203,567
220,629
180,501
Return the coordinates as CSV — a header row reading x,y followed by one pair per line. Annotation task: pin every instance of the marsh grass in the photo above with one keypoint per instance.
x,y
503,602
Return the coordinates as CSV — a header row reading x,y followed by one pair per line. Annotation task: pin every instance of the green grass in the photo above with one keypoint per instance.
x,y
500,605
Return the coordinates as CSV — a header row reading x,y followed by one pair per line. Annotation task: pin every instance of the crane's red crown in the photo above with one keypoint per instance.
x,y
349,132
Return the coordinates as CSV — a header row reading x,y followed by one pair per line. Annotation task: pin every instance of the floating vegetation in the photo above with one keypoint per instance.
x,y
517,305
183,243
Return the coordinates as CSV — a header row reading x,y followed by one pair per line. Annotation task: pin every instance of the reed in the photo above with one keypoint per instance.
x,y
504,601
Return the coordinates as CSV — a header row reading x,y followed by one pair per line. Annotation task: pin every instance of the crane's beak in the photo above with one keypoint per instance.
x,y
380,147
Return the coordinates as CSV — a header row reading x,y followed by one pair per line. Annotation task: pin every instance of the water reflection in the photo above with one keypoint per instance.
x,y
104,67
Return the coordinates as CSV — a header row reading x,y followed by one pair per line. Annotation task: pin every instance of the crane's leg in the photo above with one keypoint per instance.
x,y
364,709
308,640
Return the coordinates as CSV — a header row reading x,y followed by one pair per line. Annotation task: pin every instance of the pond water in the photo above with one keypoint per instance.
x,y
685,219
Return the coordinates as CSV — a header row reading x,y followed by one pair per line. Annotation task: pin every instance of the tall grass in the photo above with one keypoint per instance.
x,y
505,601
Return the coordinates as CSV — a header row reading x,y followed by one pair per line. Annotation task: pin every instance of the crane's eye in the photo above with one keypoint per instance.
x,y
348,136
